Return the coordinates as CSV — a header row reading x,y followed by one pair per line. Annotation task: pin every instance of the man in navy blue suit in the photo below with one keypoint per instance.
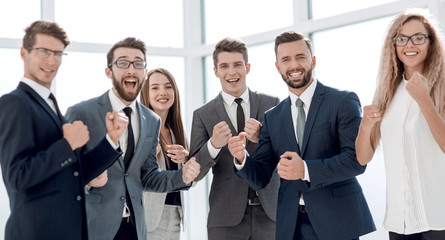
x,y
309,138
43,172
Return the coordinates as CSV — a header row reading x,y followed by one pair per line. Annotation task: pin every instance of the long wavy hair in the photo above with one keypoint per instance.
x,y
391,68
174,119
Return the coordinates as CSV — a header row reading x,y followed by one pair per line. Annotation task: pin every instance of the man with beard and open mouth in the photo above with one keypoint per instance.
x,y
114,199
309,138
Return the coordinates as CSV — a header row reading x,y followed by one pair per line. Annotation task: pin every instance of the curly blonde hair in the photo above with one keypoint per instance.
x,y
391,68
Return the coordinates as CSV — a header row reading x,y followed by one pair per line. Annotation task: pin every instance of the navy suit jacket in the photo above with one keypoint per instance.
x,y
44,178
334,199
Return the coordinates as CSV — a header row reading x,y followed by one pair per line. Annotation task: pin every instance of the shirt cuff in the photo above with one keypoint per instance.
x,y
306,173
212,151
111,142
240,166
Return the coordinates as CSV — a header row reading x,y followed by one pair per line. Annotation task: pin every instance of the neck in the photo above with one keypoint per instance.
x,y
127,103
299,91
410,71
163,115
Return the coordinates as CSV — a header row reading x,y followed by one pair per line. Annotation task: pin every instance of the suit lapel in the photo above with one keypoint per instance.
x,y
221,111
143,128
254,102
317,99
286,122
103,107
24,87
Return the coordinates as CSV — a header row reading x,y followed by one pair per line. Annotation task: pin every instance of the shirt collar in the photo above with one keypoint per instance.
x,y
229,99
117,104
43,91
306,96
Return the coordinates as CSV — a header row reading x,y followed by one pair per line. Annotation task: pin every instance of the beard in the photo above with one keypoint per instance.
x,y
127,96
307,75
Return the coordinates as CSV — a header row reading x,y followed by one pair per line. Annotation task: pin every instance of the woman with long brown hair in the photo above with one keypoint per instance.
x,y
407,120
163,211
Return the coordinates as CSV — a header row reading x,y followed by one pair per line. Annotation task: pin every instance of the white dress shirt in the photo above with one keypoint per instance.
x,y
415,168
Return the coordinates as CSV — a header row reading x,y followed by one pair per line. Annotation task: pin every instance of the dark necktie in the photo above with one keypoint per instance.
x,y
239,115
130,142
301,121
59,114
240,121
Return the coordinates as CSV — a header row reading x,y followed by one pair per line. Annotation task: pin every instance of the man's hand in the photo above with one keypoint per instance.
x,y
76,134
291,166
177,153
252,129
190,171
221,134
237,147
100,180
116,125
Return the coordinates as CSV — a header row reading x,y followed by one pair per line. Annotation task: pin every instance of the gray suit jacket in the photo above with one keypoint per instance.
x,y
226,184
154,202
105,205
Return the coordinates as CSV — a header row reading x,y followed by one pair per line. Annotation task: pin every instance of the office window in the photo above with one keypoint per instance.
x,y
16,15
328,8
158,23
233,18
12,69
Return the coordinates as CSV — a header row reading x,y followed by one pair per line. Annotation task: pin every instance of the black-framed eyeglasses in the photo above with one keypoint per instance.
x,y
126,64
416,39
44,53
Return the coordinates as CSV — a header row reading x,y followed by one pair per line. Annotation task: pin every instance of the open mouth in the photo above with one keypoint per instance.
x,y
130,83
163,100
411,54
235,80
297,74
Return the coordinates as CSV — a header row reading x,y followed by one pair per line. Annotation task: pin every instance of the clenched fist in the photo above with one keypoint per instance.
x,y
190,171
116,125
76,134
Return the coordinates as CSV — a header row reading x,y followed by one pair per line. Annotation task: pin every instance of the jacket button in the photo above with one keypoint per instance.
x,y
70,159
123,198
76,174
78,198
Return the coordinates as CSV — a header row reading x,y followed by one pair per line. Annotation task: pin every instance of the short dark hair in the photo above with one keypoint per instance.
x,y
44,27
230,45
129,42
292,36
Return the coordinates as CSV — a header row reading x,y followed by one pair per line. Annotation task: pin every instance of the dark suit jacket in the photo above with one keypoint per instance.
x,y
225,183
44,178
105,204
334,199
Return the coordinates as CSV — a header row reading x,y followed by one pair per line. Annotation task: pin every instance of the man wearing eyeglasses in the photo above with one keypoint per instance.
x,y
43,170
114,199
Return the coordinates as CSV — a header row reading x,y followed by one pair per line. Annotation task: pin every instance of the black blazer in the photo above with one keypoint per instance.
x,y
44,178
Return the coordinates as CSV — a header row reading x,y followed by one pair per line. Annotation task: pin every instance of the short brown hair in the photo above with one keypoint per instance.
x,y
292,36
230,45
44,27
129,42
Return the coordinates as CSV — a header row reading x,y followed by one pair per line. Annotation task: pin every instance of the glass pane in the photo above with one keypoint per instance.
x,y
328,8
158,23
354,64
241,18
16,16
263,76
12,69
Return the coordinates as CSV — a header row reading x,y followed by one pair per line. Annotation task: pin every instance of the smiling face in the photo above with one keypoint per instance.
x,y
231,70
295,64
127,82
38,69
413,56
161,93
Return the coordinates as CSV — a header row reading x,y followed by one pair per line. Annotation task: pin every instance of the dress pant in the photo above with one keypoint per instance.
x,y
429,235
255,225
169,227
304,229
127,230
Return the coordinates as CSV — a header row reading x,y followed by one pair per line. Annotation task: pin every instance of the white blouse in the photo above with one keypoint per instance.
x,y
415,168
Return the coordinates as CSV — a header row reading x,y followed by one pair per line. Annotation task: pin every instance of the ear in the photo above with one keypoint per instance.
x,y
247,68
278,68
314,62
216,71
109,73
23,52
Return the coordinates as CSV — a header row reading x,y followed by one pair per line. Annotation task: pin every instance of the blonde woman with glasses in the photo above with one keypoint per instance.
x,y
407,120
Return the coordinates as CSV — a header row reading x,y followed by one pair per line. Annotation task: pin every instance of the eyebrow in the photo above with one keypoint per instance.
x,y
121,57
413,34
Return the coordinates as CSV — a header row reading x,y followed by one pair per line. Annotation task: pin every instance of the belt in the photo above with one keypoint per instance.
x,y
302,209
254,202
126,219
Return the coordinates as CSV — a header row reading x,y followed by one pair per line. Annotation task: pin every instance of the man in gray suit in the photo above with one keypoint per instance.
x,y
114,199
236,211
